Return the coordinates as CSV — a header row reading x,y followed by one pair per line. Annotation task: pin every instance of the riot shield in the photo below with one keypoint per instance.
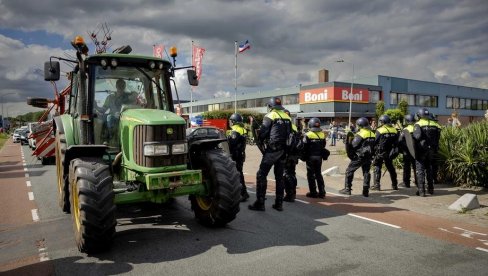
x,y
255,129
349,150
410,143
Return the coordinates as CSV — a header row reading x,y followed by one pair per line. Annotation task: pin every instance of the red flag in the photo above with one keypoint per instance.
x,y
158,50
197,60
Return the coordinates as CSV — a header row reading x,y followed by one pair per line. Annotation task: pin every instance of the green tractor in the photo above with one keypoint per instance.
x,y
120,142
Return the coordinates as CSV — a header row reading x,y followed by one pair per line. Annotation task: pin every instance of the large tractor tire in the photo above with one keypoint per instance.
x,y
62,177
92,204
222,204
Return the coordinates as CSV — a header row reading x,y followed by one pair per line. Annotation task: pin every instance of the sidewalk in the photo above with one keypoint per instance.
x,y
404,198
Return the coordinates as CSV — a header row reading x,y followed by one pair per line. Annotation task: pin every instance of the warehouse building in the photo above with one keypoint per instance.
x,y
330,100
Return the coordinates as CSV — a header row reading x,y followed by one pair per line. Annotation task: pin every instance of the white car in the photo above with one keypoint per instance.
x,y
32,141
16,136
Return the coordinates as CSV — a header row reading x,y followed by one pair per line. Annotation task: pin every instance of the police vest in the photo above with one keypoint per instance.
x,y
409,128
239,129
280,128
315,142
386,129
364,146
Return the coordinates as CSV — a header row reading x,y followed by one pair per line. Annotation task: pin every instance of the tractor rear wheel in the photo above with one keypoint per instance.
x,y
221,177
62,176
92,204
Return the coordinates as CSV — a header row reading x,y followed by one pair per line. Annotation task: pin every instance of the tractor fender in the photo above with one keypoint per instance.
x,y
64,124
77,151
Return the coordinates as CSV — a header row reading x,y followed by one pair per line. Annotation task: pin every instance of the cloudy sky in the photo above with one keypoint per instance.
x,y
440,41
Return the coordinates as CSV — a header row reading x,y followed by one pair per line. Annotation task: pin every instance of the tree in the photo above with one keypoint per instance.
x,y
380,108
395,115
403,106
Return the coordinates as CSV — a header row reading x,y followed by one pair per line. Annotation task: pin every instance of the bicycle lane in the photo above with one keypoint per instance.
x,y
20,213
356,206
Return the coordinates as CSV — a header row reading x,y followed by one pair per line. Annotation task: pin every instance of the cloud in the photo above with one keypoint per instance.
x,y
291,40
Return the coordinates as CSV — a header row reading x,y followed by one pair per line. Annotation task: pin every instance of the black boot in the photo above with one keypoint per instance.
x,y
289,198
312,194
258,205
321,191
278,203
366,191
244,195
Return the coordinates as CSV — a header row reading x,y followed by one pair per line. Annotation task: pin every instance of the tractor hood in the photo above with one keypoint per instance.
x,y
152,117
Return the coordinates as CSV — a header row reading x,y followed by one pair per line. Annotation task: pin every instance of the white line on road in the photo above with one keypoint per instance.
x,y
28,183
302,201
482,249
43,256
31,195
35,215
25,169
373,220
26,175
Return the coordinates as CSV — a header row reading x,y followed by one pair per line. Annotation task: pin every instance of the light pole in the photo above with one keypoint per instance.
x,y
350,94
10,93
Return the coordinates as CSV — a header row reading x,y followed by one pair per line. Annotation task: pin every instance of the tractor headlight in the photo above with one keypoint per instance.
x,y
179,148
113,62
155,150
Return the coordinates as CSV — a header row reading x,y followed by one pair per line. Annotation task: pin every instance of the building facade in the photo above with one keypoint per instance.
x,y
330,100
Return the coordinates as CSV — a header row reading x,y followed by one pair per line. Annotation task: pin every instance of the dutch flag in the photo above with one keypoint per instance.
x,y
244,46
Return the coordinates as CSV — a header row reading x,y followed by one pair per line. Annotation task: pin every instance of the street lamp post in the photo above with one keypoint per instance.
x,y
350,93
2,96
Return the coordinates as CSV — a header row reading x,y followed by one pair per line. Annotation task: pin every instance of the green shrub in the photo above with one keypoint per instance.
x,y
463,155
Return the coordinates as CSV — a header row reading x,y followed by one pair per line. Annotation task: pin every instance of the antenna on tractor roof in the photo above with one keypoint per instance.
x,y
104,33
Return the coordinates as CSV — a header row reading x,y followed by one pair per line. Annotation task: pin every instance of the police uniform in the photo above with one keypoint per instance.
x,y
237,146
386,140
275,129
426,135
289,175
408,160
362,151
314,144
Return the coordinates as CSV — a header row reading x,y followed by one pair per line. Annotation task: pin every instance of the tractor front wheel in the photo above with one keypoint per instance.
x,y
92,204
222,179
62,177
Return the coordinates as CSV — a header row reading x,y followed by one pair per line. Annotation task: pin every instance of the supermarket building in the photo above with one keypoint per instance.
x,y
330,100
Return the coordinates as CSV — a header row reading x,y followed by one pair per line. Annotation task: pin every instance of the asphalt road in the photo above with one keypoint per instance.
x,y
308,238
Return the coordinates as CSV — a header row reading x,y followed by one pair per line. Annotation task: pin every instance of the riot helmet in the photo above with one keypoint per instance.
x,y
423,113
275,103
384,119
362,122
314,124
409,119
235,118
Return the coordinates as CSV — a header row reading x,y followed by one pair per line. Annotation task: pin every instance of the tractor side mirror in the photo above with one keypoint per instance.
x,y
192,77
51,70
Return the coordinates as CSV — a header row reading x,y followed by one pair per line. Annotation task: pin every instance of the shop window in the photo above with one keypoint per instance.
x,y
474,104
462,103
374,96
393,98
290,99
241,104
251,103
468,104
262,102
449,102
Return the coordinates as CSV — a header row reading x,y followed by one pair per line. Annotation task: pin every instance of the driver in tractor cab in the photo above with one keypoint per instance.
x,y
114,102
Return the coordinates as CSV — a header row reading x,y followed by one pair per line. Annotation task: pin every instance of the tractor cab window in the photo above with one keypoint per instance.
x,y
128,87
120,89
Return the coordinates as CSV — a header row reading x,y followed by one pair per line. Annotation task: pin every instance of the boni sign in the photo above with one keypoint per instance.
x,y
333,94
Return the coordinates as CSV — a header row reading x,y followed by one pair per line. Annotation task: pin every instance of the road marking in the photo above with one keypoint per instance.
x,y
43,256
373,220
302,201
25,169
28,183
341,195
482,249
31,195
26,175
35,215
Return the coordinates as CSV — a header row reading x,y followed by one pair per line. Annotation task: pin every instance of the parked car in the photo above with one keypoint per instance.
x,y
24,134
16,136
32,141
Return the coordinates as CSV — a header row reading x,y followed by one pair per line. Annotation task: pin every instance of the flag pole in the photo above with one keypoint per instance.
x,y
191,87
235,82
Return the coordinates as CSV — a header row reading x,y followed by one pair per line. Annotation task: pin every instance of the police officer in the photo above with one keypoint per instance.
x,y
386,141
426,135
408,160
314,145
275,130
237,146
360,151
289,176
